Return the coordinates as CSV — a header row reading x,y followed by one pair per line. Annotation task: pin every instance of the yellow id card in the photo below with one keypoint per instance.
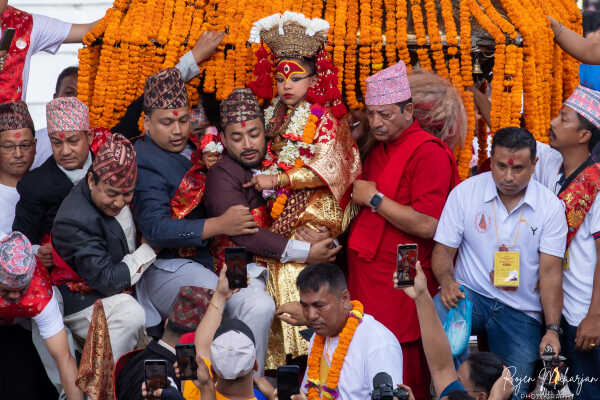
x,y
506,268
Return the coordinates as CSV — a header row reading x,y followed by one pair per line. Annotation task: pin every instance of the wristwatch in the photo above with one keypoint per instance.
x,y
554,328
375,201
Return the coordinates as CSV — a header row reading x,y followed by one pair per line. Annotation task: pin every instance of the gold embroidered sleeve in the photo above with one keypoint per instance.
x,y
304,178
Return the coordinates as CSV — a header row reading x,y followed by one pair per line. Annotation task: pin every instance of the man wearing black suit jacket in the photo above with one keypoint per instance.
x,y
43,189
94,235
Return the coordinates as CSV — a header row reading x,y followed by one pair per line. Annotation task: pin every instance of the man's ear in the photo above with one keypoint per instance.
x,y
584,136
90,179
90,136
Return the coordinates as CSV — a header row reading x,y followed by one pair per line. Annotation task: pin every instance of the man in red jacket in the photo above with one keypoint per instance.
x,y
406,179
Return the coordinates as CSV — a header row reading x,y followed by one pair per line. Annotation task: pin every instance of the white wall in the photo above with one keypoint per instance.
x,y
46,67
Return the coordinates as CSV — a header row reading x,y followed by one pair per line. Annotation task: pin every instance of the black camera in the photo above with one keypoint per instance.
x,y
383,388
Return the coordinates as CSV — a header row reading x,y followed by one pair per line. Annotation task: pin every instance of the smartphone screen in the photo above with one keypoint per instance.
x,y
406,263
156,374
236,259
288,381
7,38
186,360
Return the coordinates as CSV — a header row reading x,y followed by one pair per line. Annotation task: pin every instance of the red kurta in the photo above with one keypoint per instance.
x,y
429,174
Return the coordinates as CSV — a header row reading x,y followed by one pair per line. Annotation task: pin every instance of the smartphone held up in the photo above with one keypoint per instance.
x,y
236,259
288,381
406,264
186,360
155,372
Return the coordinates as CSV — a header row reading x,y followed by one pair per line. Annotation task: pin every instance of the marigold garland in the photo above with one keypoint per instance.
x,y
435,40
329,387
138,37
422,50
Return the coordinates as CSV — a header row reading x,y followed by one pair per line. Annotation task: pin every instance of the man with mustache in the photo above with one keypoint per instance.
x,y
245,141
574,133
406,179
509,233
169,210
43,189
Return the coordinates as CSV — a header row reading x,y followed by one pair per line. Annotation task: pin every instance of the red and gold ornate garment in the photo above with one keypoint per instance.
x,y
579,196
11,76
321,160
33,302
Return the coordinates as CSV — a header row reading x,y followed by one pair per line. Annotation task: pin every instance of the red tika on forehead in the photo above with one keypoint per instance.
x,y
289,68
176,113
17,135
511,161
61,135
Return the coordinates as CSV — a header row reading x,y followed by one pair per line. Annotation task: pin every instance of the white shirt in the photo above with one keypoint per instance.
x,y
140,259
43,148
547,166
467,223
47,35
50,319
9,197
373,349
578,279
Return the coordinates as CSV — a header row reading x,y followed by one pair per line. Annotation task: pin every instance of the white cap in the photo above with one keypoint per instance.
x,y
233,355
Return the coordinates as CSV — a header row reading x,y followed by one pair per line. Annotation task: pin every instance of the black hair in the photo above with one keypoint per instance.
x,y
311,64
459,395
485,369
585,124
515,139
314,276
69,71
591,21
403,104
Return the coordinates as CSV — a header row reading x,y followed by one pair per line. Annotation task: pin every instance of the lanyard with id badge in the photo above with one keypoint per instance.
x,y
507,259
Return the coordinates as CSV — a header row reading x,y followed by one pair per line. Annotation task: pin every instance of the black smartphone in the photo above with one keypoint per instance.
x,y
7,37
288,381
406,264
236,259
186,360
155,372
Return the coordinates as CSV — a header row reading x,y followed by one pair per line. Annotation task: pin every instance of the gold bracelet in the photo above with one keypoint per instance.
x,y
214,305
284,179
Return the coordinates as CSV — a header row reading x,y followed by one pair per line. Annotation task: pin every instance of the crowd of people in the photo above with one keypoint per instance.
x,y
114,242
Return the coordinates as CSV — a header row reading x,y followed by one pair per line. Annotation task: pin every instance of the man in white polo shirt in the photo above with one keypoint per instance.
x,y
510,233
574,133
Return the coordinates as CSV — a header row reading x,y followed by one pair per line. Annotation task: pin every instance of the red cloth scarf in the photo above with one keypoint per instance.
x,y
11,76
579,196
35,299
190,192
368,227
